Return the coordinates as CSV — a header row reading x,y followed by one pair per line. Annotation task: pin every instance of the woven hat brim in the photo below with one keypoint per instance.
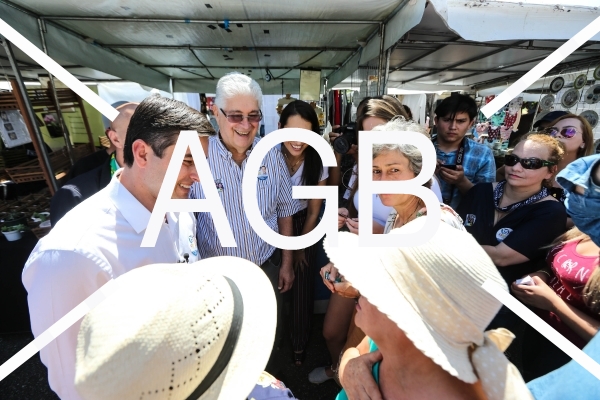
x,y
364,267
257,335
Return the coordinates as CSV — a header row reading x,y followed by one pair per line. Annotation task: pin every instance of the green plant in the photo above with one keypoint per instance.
x,y
42,217
13,228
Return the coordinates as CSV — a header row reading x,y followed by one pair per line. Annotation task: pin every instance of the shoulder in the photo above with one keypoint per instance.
x,y
478,148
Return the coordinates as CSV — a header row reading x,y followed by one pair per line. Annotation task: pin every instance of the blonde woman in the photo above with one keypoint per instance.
x,y
566,294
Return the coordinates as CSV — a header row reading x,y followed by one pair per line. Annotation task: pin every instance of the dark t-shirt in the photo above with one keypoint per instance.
x,y
526,230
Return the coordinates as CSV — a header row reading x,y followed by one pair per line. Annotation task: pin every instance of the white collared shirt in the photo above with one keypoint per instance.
x,y
96,241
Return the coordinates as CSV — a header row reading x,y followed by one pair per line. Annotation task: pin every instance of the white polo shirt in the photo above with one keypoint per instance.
x,y
96,241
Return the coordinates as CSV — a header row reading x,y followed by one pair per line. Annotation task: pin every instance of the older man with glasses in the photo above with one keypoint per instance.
x,y
238,111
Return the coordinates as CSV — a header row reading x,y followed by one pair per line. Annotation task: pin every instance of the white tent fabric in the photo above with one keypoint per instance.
x,y
524,19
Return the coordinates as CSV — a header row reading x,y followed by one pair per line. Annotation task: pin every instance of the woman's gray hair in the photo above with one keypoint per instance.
x,y
412,153
235,84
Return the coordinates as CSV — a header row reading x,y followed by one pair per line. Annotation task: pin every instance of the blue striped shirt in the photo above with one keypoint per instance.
x,y
274,191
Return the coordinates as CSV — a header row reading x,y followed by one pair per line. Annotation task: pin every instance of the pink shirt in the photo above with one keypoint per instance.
x,y
571,272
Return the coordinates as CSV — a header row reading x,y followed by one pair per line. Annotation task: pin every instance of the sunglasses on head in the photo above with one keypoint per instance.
x,y
567,132
528,163
237,118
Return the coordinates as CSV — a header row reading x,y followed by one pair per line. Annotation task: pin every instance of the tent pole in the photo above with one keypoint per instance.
x,y
381,59
20,93
388,55
171,88
54,94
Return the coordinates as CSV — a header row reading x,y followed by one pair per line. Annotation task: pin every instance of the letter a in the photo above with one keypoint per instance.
x,y
212,202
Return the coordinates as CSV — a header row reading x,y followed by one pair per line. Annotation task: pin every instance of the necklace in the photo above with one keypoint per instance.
x,y
413,215
499,191
294,167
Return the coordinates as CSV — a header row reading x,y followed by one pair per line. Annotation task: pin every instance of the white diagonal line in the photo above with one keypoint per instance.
x,y
542,68
55,69
58,327
542,327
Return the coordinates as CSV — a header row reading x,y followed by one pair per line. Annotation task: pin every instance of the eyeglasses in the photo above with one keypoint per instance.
x,y
237,118
528,163
567,132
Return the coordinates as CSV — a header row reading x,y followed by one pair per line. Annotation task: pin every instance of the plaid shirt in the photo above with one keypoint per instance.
x,y
478,163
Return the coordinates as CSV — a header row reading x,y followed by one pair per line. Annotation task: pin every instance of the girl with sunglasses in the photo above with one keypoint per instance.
x,y
515,218
575,133
305,168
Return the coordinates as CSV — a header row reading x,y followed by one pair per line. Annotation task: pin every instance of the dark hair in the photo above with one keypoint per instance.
x,y
408,111
313,166
457,103
384,107
158,120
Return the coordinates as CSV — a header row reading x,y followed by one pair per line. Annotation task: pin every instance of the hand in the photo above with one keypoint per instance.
x,y
332,273
357,379
544,277
451,176
352,224
300,259
286,278
342,216
540,296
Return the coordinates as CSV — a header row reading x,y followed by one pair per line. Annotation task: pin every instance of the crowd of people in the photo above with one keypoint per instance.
x,y
404,322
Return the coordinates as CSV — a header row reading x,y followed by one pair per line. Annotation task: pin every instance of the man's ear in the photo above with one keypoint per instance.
x,y
215,110
279,125
435,120
141,152
114,138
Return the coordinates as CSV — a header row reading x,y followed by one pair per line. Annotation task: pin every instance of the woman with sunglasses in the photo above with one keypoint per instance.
x,y
515,218
305,168
575,133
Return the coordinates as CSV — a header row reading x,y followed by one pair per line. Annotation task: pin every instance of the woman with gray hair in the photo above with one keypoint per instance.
x,y
391,162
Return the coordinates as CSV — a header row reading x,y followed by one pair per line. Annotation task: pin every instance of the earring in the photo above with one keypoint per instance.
x,y
582,146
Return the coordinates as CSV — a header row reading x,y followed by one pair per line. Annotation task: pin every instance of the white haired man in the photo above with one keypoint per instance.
x,y
238,111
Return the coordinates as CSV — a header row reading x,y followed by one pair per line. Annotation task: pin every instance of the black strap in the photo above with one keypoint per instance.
x,y
460,156
229,346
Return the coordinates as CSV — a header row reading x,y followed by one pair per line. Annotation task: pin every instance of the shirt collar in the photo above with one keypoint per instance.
x,y
222,150
132,210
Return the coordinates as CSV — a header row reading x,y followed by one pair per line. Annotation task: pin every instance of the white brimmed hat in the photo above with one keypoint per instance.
x,y
434,293
179,331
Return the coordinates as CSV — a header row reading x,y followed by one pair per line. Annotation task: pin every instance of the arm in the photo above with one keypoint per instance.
x,y
286,272
56,282
355,373
543,297
503,256
312,215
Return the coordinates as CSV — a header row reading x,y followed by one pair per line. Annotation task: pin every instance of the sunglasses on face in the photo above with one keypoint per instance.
x,y
528,163
237,118
567,132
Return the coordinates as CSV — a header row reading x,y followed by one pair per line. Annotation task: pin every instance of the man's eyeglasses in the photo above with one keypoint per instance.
x,y
237,118
528,163
567,132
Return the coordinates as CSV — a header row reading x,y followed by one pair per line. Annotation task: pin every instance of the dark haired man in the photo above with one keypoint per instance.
x,y
467,162
100,238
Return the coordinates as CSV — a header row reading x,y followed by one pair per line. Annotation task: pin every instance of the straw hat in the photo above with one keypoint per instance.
x,y
433,292
179,331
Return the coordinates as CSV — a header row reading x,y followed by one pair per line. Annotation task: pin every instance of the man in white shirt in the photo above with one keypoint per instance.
x,y
100,238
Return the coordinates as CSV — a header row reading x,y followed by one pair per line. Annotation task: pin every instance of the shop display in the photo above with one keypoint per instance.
x,y
12,129
580,81
597,73
570,98
592,96
547,102
591,116
557,84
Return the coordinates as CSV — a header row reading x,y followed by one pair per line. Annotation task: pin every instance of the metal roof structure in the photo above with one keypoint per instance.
x,y
185,46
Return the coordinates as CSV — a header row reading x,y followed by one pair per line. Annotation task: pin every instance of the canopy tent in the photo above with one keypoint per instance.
x,y
186,46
